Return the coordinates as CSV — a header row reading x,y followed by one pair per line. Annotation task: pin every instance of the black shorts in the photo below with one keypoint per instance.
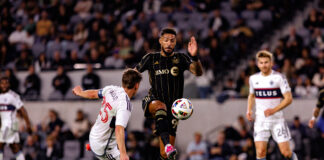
x,y
172,121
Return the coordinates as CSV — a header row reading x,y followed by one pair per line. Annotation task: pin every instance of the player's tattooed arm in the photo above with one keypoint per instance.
x,y
196,68
89,94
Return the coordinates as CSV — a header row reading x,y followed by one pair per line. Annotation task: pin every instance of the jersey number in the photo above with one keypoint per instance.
x,y
104,114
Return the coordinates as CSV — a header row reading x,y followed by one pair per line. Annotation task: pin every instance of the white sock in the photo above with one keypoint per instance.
x,y
20,156
1,155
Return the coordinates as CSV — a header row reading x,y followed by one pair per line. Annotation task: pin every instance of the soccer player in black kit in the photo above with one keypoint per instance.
x,y
166,70
311,123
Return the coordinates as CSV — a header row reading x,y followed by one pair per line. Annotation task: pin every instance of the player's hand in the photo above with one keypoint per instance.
x,y
249,115
269,112
77,90
124,157
192,46
311,123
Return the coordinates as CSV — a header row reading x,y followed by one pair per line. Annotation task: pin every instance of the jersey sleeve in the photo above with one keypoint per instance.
x,y
320,99
251,89
144,63
186,61
103,91
284,85
17,101
123,113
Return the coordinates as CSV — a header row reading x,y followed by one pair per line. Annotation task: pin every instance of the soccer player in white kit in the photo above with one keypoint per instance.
x,y
267,88
10,103
108,131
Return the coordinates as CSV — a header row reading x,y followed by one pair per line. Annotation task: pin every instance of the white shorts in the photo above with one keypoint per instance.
x,y
278,130
9,136
112,154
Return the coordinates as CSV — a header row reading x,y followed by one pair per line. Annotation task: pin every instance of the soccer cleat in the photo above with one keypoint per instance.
x,y
170,151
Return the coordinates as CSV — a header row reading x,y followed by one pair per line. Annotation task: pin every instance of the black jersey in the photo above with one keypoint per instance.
x,y
166,75
320,100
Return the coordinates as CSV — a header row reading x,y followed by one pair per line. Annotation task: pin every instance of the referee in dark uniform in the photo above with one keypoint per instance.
x,y
166,70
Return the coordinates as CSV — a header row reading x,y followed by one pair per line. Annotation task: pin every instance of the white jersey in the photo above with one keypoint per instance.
x,y
115,103
10,102
268,91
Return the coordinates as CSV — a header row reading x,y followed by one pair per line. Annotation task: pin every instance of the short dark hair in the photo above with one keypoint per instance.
x,y
168,30
130,78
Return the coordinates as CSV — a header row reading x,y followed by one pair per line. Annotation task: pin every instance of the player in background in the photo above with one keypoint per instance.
x,y
317,109
311,123
10,104
108,131
165,69
266,90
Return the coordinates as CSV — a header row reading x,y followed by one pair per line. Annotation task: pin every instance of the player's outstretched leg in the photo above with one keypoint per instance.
x,y
158,109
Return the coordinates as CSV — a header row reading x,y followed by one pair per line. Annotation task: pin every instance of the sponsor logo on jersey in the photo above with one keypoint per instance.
x,y
267,93
175,71
4,107
162,71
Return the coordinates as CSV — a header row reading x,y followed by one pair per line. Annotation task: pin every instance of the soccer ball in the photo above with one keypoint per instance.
x,y
182,109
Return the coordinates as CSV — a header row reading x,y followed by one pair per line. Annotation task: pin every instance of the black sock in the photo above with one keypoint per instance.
x,y
162,125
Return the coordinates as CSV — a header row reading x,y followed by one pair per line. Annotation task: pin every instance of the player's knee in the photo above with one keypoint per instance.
x,y
261,153
158,105
287,154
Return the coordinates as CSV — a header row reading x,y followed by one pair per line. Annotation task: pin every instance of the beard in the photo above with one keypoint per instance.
x,y
167,53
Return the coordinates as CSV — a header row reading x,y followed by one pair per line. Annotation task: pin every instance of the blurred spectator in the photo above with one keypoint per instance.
x,y
21,36
133,148
312,20
241,124
317,39
13,80
151,6
80,129
245,90
44,25
220,150
251,68
197,149
318,78
32,148
57,60
293,43
42,63
61,82
90,80
80,34
218,23
298,134
52,150
83,8
24,61
73,59
32,84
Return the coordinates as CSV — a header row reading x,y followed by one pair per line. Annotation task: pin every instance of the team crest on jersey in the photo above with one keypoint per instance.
x,y
174,71
271,82
175,60
256,83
